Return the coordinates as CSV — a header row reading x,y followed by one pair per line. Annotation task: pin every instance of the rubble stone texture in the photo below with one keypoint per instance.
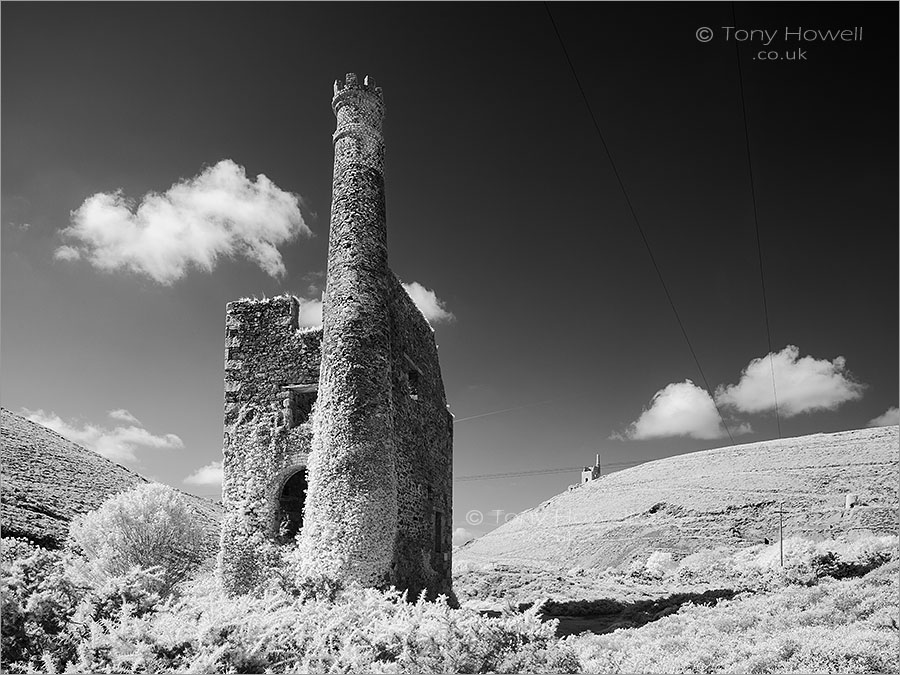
x,y
355,409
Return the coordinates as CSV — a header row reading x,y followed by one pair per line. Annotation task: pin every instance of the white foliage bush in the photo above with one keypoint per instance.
x,y
805,561
357,630
146,527
660,563
846,626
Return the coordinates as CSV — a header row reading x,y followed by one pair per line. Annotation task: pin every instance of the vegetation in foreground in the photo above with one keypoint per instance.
x,y
87,610
94,608
823,613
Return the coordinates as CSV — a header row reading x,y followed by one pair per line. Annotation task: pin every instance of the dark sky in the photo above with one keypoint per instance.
x,y
500,199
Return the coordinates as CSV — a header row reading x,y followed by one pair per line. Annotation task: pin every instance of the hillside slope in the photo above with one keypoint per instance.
x,y
48,480
722,497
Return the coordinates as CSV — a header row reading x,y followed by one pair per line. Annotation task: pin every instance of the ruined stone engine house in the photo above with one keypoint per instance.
x,y
338,440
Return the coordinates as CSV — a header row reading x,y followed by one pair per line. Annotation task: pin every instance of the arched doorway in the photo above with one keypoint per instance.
x,y
290,507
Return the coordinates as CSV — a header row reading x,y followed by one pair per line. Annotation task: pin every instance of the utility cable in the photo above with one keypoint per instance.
x,y
539,472
762,278
498,412
636,220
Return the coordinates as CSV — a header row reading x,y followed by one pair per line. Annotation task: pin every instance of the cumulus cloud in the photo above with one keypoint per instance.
x,y
461,536
209,475
124,416
426,300
310,312
218,213
679,409
67,253
428,303
803,384
890,417
117,444
316,281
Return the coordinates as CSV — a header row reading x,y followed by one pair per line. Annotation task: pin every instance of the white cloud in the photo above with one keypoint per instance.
x,y
124,416
67,253
428,303
889,417
310,312
461,535
220,212
211,474
803,384
118,444
426,300
679,409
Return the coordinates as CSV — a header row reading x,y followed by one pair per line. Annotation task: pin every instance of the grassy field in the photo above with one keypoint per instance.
x,y
725,497
833,607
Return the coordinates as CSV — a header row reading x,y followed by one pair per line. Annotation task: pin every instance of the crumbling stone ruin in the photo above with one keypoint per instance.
x,y
589,473
338,440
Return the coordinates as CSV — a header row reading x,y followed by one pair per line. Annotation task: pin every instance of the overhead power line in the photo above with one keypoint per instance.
x,y
537,472
498,412
762,276
637,221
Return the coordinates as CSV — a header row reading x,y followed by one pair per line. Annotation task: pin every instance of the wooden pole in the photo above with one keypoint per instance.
x,y
781,532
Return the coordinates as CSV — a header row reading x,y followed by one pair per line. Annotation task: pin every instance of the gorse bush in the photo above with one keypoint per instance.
x,y
16,548
833,627
124,557
660,563
360,630
150,526
123,627
50,608
759,567
121,600
38,602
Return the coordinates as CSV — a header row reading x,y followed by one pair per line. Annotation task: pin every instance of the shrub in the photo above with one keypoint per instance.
x,y
149,526
16,548
659,563
834,626
39,600
360,630
140,590
805,562
118,623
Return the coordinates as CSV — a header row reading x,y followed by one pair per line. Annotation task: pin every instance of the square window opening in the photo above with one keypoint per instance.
x,y
412,384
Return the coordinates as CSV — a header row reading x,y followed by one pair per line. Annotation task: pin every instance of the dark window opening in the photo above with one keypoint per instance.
x,y
438,531
302,404
290,507
297,407
412,384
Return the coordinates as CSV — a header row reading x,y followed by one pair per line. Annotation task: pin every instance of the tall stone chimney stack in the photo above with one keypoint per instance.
x,y
350,526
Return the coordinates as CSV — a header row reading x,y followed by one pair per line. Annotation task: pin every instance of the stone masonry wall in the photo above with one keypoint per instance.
x,y
378,442
423,428
351,506
263,446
